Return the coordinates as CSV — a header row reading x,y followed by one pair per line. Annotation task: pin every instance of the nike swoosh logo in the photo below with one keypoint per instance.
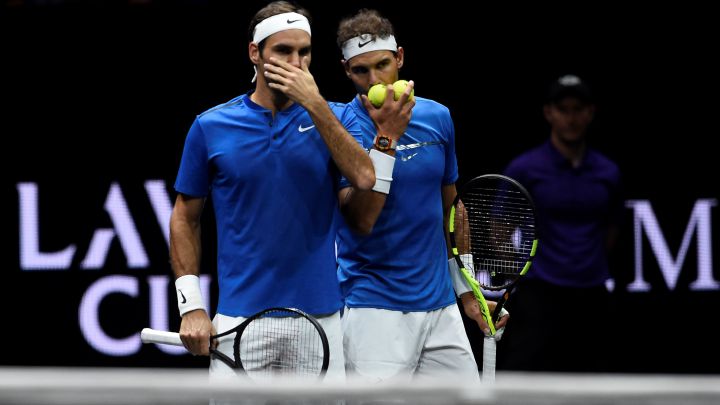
x,y
303,129
183,297
361,44
292,21
406,158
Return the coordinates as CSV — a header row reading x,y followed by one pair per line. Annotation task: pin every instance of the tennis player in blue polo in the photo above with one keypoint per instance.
x,y
271,161
402,320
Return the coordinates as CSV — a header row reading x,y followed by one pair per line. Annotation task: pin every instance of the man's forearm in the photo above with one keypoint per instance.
x,y
349,156
185,248
361,209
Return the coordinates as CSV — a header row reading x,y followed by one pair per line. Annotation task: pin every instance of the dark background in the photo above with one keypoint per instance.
x,y
101,92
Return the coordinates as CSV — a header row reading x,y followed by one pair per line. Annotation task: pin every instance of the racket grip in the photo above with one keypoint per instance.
x,y
148,335
488,371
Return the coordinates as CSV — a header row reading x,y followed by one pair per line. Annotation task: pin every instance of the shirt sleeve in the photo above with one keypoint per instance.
x,y
617,202
192,178
349,120
515,171
451,166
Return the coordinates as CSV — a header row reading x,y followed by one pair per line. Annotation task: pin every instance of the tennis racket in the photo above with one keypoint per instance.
x,y
275,342
493,239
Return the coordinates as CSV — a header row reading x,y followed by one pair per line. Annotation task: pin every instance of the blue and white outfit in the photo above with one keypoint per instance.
x,y
274,189
402,319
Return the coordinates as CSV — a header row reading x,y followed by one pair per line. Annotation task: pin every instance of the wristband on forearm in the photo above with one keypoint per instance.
x,y
383,164
188,294
459,283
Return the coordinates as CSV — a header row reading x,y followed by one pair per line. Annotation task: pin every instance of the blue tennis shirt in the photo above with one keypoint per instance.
x,y
574,206
402,264
274,189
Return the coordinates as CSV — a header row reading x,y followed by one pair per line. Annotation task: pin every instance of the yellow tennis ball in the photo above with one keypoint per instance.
x,y
377,94
399,87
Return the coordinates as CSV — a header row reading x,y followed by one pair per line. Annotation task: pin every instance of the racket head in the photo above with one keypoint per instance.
x,y
279,343
492,230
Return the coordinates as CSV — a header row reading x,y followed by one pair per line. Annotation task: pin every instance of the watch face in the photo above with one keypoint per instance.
x,y
383,143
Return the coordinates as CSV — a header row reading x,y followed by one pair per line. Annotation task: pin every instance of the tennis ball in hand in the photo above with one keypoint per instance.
x,y
399,87
376,94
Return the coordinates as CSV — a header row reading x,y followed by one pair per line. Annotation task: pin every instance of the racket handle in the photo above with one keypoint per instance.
x,y
148,335
488,371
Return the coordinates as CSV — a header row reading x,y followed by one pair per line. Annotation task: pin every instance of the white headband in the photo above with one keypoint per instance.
x,y
280,22
367,43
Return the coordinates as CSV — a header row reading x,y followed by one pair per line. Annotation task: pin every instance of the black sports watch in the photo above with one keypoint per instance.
x,y
384,144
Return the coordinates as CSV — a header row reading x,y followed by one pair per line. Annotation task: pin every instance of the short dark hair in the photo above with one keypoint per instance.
x,y
365,21
274,8
569,86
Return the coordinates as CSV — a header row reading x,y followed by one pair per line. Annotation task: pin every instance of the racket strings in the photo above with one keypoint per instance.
x,y
274,346
498,228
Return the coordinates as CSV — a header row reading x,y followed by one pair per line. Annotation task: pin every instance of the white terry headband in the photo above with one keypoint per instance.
x,y
280,22
366,43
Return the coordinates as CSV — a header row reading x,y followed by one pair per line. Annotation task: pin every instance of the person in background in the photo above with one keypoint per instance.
x,y
577,194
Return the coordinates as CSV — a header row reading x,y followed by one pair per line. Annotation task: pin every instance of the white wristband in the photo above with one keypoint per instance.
x,y
188,294
459,283
383,165
499,332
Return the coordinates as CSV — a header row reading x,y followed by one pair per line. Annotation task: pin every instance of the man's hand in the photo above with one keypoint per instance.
x,y
296,83
195,331
392,118
472,310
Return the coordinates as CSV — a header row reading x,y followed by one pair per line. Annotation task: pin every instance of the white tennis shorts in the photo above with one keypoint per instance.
x,y
393,345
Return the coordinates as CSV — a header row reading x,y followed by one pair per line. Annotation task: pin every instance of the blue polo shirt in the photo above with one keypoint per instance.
x,y
574,206
402,264
274,189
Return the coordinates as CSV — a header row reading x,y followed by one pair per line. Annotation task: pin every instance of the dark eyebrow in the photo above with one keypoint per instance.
x,y
282,48
360,68
285,47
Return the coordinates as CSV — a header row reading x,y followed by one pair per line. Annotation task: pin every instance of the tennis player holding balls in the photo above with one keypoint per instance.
x,y
401,320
